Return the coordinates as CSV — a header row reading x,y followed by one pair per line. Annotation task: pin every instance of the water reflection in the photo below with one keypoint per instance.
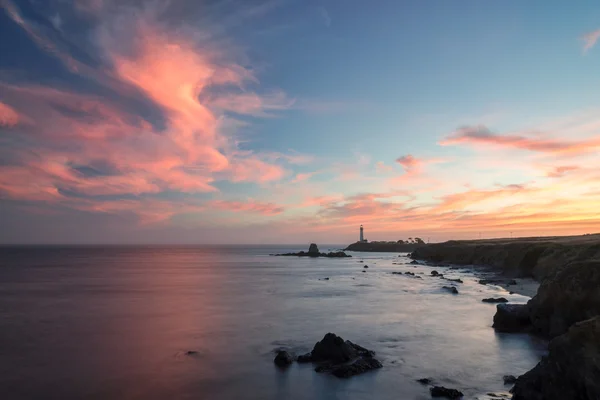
x,y
101,323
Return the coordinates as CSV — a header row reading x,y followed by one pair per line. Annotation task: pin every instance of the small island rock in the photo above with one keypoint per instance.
x,y
495,300
451,289
283,358
440,391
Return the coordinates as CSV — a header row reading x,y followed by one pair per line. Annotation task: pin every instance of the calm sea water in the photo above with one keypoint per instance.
x,y
116,323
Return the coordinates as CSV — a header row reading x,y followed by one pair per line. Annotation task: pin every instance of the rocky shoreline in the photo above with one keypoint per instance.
x,y
566,307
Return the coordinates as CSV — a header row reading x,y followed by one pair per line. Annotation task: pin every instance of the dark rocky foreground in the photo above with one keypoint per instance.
x,y
336,356
313,251
384,247
570,371
565,309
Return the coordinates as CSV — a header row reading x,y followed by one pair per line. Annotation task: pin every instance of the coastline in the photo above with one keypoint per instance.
x,y
525,287
562,277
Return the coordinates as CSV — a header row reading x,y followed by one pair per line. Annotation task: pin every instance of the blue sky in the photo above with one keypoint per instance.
x,y
155,121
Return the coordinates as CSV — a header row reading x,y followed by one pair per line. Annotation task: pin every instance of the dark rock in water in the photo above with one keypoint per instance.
x,y
340,357
313,251
440,391
509,379
366,266
569,296
512,318
511,292
451,289
410,273
325,279
304,358
434,273
364,270
492,281
283,358
191,352
418,277
359,366
458,280
413,262
570,371
511,282
424,381
495,300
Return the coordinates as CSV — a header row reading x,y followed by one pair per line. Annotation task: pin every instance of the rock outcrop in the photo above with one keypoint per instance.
x,y
495,300
440,391
283,358
512,318
313,251
570,296
340,357
570,371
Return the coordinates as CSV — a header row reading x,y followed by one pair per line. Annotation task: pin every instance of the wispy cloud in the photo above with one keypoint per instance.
x,y
8,116
590,39
481,135
191,86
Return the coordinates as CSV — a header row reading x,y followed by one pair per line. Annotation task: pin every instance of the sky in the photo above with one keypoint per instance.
x,y
296,121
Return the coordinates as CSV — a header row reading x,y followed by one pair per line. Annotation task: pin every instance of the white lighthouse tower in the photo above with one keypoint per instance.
x,y
362,236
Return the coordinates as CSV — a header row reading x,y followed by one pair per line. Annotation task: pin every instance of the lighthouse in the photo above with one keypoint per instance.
x,y
362,237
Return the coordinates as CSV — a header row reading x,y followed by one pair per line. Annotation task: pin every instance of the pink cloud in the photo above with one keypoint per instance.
x,y
590,39
8,116
481,135
560,171
247,206
69,130
409,162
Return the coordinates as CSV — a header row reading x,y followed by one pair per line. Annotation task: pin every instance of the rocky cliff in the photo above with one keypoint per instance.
x,y
523,257
570,371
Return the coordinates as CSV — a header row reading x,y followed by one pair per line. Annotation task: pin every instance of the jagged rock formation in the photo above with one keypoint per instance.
x,y
340,357
570,371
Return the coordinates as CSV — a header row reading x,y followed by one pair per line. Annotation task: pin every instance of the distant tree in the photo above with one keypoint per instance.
x,y
419,241
400,241
410,240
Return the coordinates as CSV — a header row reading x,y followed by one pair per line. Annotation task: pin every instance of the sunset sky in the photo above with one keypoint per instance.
x,y
291,121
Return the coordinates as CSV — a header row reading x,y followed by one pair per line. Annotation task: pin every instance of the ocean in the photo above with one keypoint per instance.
x,y
117,322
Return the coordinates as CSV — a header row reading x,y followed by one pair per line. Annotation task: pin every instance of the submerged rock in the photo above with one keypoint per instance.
x,y
434,273
409,273
340,357
191,352
366,266
440,391
283,358
451,289
512,318
424,381
509,379
495,300
458,280
570,371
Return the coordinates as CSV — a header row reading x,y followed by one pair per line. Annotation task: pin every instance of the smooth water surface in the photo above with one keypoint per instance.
x,y
117,323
